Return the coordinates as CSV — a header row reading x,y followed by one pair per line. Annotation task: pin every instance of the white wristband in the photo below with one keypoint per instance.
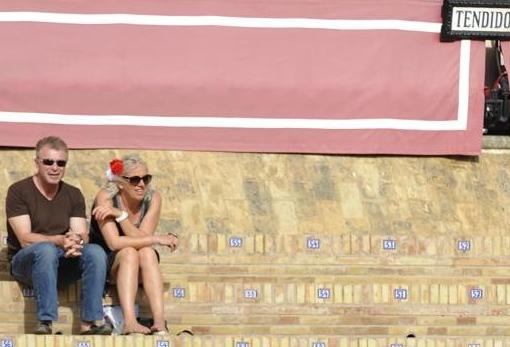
x,y
123,216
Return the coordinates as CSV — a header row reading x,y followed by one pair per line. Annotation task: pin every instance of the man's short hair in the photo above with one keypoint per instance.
x,y
53,142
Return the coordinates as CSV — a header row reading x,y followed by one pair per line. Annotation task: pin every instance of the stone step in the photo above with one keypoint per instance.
x,y
250,340
230,306
325,291
331,248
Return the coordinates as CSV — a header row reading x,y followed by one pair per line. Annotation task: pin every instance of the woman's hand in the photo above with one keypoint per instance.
x,y
103,212
167,240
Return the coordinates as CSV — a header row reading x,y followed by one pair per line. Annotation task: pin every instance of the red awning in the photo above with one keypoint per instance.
x,y
284,76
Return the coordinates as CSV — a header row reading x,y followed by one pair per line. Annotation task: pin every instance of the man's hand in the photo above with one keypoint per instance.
x,y
73,243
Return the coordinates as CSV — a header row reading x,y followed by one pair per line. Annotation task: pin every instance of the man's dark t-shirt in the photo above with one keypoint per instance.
x,y
49,217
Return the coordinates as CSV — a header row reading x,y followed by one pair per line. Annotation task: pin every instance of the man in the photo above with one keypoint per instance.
x,y
48,240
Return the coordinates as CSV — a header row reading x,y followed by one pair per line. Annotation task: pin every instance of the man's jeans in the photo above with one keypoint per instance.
x,y
43,266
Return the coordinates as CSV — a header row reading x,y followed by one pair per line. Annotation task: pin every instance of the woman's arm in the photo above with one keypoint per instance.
x,y
105,215
104,210
150,220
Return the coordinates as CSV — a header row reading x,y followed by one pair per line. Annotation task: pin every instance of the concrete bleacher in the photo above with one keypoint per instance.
x,y
308,250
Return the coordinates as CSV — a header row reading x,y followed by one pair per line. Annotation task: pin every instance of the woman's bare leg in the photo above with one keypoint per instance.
x,y
153,285
125,271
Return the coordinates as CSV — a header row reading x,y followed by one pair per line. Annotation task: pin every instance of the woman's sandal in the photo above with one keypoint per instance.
x,y
185,332
137,332
159,332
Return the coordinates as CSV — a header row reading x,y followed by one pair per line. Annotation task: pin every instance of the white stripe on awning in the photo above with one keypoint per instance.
x,y
244,22
242,122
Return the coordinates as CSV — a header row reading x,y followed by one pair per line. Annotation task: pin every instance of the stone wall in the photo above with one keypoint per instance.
x,y
296,245
306,194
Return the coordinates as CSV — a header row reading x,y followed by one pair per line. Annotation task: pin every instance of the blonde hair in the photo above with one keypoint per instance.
x,y
129,162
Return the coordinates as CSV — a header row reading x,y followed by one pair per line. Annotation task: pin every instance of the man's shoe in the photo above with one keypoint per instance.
x,y
43,328
104,329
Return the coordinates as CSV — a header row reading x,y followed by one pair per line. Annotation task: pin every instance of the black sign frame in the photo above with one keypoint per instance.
x,y
448,35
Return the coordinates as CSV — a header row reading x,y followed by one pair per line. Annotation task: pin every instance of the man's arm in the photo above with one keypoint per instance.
x,y
75,237
78,226
77,234
22,228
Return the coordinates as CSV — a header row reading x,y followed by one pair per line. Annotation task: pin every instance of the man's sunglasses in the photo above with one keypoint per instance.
x,y
135,180
50,162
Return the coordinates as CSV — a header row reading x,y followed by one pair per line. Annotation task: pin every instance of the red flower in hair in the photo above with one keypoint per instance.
x,y
117,167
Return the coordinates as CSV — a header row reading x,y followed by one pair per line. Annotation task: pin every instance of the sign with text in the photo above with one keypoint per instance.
x,y
476,20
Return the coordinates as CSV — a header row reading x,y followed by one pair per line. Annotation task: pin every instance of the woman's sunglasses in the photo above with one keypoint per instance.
x,y
50,162
135,180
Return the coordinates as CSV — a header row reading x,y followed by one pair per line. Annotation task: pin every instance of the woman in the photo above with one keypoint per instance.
x,y
124,219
